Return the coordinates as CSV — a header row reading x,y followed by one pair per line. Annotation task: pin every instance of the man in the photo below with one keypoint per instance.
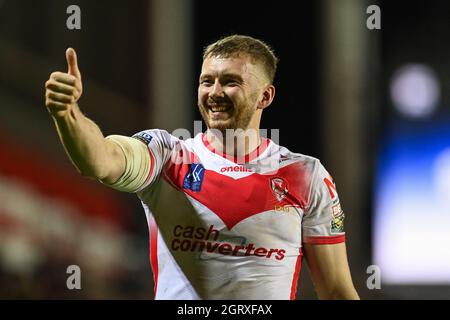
x,y
230,214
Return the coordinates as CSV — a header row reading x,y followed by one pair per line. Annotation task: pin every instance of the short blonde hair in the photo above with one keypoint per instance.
x,y
235,45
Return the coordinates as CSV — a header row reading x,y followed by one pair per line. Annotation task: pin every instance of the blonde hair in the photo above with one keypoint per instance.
x,y
236,45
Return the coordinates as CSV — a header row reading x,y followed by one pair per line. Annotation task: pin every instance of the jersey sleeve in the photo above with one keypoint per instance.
x,y
161,146
323,222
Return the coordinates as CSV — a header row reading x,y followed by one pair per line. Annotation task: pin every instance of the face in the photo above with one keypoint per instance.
x,y
230,92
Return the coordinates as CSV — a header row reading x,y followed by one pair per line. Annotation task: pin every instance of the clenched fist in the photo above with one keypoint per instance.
x,y
63,90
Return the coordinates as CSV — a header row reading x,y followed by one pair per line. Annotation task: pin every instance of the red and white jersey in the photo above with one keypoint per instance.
x,y
223,230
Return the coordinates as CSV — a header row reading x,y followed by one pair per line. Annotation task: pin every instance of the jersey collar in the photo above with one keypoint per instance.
x,y
239,160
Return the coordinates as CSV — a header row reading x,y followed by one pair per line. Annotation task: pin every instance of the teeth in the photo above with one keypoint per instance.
x,y
219,109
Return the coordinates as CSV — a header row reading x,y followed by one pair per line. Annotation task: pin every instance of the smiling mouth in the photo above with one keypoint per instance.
x,y
218,108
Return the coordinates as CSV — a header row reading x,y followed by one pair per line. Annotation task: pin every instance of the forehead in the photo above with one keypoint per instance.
x,y
239,65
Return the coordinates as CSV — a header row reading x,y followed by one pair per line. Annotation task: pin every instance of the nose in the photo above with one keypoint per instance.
x,y
216,90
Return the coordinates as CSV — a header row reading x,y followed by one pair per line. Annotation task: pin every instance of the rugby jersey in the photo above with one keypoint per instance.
x,y
226,228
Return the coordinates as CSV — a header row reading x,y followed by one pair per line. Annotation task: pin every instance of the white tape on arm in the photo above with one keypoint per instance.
x,y
137,167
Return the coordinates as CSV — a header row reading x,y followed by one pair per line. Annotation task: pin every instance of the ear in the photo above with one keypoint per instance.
x,y
266,97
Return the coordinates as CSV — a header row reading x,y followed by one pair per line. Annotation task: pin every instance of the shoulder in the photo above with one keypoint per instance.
x,y
301,161
159,139
306,169
148,135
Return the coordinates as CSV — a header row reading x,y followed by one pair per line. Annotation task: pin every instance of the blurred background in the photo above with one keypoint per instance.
x,y
373,105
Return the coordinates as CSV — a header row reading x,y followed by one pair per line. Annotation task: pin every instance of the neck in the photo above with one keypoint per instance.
x,y
235,143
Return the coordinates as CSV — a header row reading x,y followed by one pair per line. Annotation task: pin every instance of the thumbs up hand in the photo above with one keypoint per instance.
x,y
63,90
72,63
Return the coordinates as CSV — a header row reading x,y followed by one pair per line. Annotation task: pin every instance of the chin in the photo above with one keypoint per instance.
x,y
221,125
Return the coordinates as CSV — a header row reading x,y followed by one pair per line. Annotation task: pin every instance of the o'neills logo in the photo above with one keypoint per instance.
x,y
235,169
279,188
198,239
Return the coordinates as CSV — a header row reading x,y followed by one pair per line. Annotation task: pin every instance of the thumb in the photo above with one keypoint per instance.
x,y
72,63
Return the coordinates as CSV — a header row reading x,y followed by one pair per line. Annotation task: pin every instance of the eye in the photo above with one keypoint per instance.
x,y
206,83
232,83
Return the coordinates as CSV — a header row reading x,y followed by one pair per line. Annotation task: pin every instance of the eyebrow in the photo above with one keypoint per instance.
x,y
227,75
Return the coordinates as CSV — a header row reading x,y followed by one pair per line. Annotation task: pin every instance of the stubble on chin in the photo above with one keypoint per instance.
x,y
241,120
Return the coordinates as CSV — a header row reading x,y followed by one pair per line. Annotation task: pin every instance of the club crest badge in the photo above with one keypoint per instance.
x,y
279,188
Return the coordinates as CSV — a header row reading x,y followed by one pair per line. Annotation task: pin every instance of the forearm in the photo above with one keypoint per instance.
x,y
344,292
90,152
345,295
330,271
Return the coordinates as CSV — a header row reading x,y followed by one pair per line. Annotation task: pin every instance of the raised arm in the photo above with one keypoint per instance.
x,y
92,154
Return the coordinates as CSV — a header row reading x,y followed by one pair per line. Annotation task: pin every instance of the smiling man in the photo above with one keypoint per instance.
x,y
231,214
